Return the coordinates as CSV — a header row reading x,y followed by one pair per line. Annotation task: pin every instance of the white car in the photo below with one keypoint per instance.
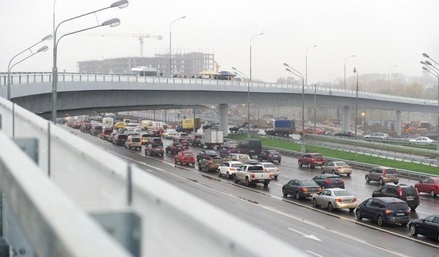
x,y
271,168
229,168
421,140
169,133
335,198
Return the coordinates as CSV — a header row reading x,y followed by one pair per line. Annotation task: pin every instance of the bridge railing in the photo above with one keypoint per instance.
x,y
94,181
38,77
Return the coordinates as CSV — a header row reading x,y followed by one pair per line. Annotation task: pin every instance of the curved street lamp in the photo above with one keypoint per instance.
x,y
170,45
48,37
433,70
356,104
237,72
344,81
298,74
306,63
388,72
112,23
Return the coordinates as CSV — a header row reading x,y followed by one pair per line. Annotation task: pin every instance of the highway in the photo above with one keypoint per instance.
x,y
311,229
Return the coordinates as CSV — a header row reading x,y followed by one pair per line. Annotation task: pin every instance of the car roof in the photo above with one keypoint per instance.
x,y
389,199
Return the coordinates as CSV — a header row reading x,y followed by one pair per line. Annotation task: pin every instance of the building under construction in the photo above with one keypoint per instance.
x,y
182,64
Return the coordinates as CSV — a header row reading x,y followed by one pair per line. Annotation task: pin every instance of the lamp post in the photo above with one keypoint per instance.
x,y
388,72
170,45
237,72
433,70
48,37
298,74
344,81
356,105
250,82
306,63
112,23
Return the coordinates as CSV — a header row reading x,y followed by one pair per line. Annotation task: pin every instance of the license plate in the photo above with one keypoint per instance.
x,y
410,198
400,214
275,155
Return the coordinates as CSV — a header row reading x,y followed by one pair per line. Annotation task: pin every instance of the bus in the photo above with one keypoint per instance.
x,y
144,71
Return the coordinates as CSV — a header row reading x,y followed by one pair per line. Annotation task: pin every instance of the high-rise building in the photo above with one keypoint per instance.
x,y
188,64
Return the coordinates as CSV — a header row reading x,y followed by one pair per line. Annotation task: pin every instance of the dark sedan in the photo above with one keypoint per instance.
x,y
344,134
300,188
206,153
384,210
174,148
270,156
329,181
428,227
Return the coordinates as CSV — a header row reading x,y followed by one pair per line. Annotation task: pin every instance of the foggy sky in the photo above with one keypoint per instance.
x,y
379,33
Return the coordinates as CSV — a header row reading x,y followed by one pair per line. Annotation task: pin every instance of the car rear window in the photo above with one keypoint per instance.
x,y
391,171
333,177
309,183
135,139
342,193
236,165
255,168
217,160
397,206
123,137
188,154
317,156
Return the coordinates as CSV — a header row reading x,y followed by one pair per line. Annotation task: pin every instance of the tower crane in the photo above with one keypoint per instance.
x,y
139,36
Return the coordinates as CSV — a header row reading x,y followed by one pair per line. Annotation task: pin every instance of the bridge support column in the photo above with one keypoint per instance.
x,y
223,118
398,123
346,118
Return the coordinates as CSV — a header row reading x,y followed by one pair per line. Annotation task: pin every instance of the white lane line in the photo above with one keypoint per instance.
x,y
315,254
313,237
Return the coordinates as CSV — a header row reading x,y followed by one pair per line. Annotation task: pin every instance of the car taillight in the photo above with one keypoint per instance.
x,y
400,192
270,155
253,175
388,212
304,189
338,168
328,181
355,199
338,200
407,212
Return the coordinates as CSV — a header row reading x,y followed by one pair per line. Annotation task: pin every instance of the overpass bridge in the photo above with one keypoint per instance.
x,y
78,93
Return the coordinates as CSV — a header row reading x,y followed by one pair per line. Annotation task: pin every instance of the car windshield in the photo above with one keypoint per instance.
x,y
308,183
342,193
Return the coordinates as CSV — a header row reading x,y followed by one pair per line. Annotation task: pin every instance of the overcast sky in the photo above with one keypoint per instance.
x,y
380,33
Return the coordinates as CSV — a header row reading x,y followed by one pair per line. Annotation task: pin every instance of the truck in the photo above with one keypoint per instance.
x,y
252,174
189,125
107,122
282,128
212,138
146,124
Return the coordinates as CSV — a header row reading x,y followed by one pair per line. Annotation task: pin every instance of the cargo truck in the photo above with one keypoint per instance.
x,y
189,125
282,128
212,138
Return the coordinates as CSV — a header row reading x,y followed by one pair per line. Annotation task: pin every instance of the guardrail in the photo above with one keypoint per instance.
x,y
39,77
162,220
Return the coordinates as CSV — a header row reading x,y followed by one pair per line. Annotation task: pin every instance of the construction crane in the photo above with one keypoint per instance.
x,y
139,36
217,66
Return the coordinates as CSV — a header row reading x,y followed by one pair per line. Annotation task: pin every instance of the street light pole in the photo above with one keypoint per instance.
x,y
48,37
298,74
356,104
112,23
433,70
250,82
170,45
306,64
344,81
388,72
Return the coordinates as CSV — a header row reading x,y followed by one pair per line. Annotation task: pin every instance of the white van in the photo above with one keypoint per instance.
x,y
144,71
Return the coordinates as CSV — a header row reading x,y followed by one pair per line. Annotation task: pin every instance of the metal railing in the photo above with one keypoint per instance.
x,y
97,182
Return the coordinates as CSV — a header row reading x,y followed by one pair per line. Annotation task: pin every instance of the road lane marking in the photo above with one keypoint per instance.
x,y
313,237
315,254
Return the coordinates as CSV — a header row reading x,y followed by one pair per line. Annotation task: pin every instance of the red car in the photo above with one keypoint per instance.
x,y
312,160
428,185
319,131
185,157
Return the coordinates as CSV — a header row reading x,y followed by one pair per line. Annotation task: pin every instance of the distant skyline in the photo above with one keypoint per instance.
x,y
380,34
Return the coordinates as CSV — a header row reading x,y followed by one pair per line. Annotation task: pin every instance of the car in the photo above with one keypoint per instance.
x,y
383,210
428,185
210,163
337,167
238,157
195,139
383,175
421,140
85,127
169,133
246,129
318,131
229,168
209,125
105,133
154,148
377,136
235,129
144,138
428,227
230,143
183,141
335,198
300,188
226,150
407,193
206,153
329,181
344,134
119,139
133,142
174,148
270,155
311,160
270,168
185,158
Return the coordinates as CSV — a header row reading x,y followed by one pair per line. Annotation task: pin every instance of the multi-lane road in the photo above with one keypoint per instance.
x,y
314,230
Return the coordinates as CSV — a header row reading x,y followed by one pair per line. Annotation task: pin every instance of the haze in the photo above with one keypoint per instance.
x,y
380,34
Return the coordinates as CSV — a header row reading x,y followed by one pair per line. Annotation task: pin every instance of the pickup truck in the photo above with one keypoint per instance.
x,y
252,174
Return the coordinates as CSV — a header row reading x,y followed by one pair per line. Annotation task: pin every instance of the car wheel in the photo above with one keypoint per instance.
x,y
358,215
247,182
311,166
300,164
351,209
330,207
297,195
380,220
367,179
432,193
413,208
333,171
175,161
219,173
235,178
382,182
266,182
279,161
348,174
275,177
314,202
412,230
227,175
199,167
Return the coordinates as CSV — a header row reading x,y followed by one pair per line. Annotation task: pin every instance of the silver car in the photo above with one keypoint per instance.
x,y
271,168
337,167
383,175
335,198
